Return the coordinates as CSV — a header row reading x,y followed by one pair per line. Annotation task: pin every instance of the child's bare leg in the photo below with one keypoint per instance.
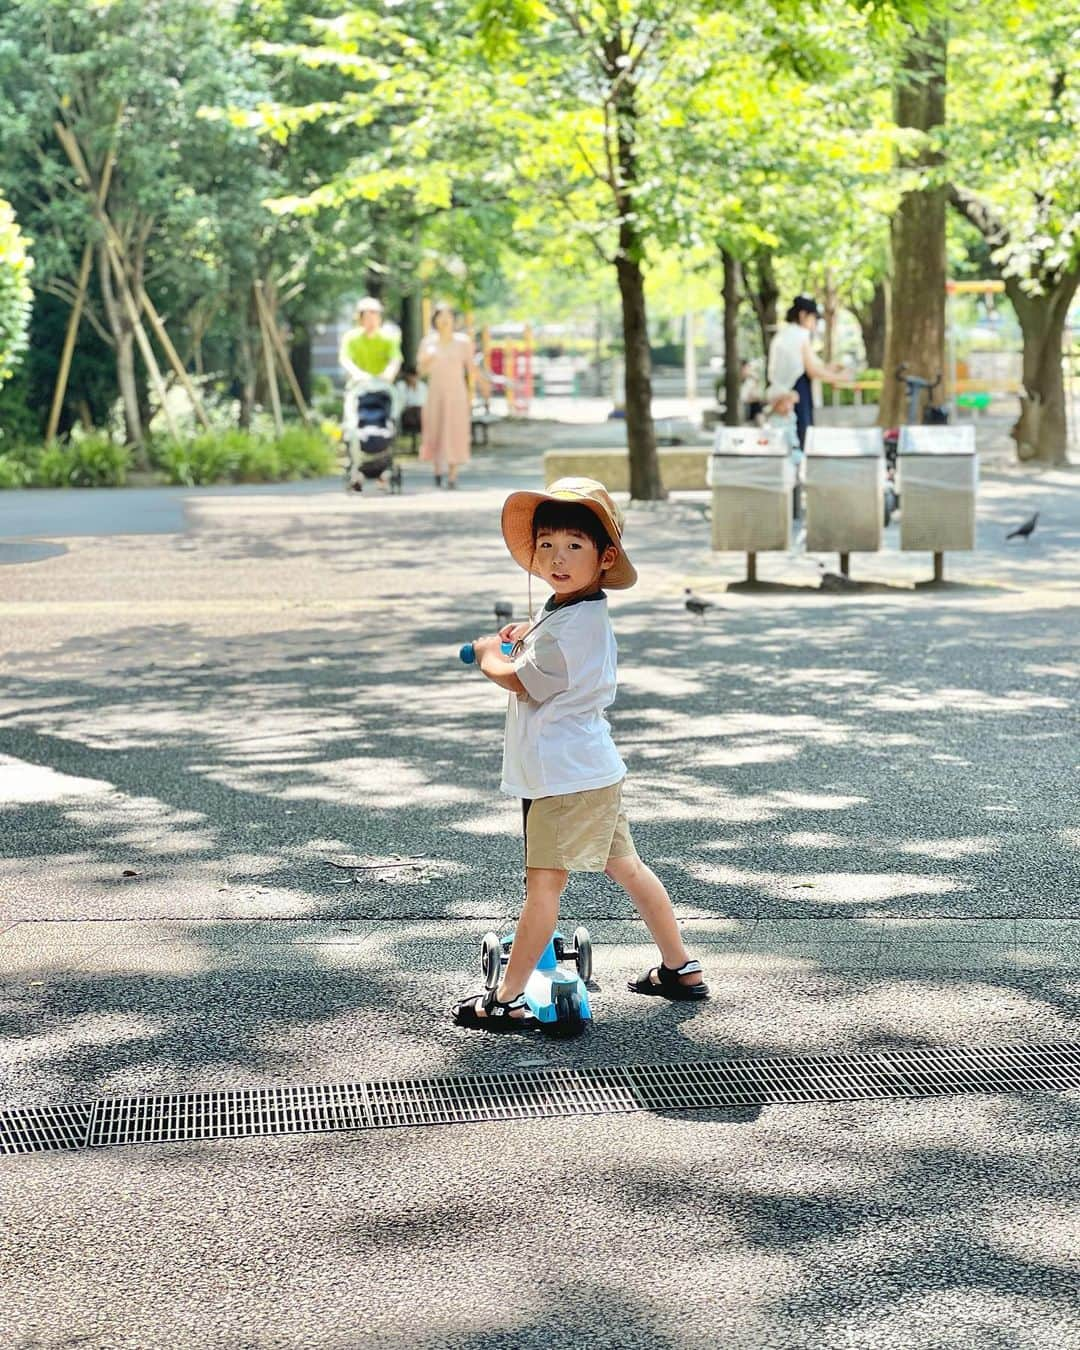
x,y
543,889
653,903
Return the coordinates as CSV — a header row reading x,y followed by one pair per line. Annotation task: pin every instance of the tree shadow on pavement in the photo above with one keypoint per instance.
x,y
873,762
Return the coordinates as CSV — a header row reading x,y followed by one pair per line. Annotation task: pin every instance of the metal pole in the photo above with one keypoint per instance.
x,y
751,567
845,563
690,363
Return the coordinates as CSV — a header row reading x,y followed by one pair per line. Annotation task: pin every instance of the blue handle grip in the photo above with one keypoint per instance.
x,y
469,656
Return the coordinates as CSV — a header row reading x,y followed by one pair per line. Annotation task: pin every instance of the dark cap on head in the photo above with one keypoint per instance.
x,y
803,304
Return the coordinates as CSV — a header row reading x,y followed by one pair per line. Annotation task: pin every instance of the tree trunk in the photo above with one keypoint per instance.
x,y
124,337
916,327
764,295
412,324
1041,430
645,484
872,318
247,375
300,357
832,310
733,412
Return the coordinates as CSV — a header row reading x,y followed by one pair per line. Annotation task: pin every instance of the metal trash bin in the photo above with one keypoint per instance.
x,y
938,477
751,476
844,475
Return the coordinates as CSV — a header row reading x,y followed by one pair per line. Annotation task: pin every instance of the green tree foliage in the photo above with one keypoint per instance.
x,y
615,130
164,95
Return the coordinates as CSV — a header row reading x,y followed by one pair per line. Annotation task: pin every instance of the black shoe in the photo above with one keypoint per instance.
x,y
438,480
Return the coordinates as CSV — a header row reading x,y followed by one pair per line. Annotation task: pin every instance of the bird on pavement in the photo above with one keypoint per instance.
x,y
504,611
1026,530
835,581
697,604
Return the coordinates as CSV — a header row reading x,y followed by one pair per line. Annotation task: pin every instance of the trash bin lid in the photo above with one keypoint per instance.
x,y
749,441
937,441
843,442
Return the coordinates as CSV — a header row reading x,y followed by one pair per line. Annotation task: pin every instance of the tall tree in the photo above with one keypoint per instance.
x,y
916,318
1014,160
107,148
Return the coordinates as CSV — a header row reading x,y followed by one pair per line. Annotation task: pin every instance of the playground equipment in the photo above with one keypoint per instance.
x,y
965,392
509,364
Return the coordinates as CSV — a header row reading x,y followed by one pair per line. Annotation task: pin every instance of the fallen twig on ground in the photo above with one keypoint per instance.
x,y
376,867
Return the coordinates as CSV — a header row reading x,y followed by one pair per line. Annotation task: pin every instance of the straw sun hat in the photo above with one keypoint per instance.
x,y
517,525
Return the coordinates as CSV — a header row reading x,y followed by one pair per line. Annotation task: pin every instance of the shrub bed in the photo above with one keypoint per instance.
x,y
240,457
213,457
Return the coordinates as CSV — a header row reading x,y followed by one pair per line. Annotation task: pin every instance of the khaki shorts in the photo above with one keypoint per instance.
x,y
579,832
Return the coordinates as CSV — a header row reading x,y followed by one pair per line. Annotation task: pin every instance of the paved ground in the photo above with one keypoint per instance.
x,y
865,807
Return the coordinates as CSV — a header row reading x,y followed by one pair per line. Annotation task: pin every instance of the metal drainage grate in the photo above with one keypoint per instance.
x,y
923,1072
44,1129
231,1114
528,1095
544,1093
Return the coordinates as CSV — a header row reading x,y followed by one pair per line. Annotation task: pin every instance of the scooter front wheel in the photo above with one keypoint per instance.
x,y
491,959
583,954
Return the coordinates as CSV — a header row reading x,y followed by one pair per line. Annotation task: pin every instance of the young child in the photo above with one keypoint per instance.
x,y
780,413
780,407
558,755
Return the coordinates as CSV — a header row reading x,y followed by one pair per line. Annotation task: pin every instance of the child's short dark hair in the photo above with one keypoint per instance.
x,y
570,516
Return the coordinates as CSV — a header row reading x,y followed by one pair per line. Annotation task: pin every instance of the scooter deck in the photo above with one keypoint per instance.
x,y
551,983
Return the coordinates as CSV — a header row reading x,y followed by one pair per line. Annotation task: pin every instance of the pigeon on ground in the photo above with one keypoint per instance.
x,y
1026,530
697,604
504,611
836,581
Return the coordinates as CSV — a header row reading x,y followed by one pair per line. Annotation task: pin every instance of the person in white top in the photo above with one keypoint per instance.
x,y
558,754
793,364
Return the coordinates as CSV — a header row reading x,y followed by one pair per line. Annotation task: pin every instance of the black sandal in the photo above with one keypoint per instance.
x,y
497,1015
670,986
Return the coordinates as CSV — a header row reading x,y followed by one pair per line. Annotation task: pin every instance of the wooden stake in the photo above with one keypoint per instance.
x,y
268,360
75,317
69,345
174,357
141,339
114,253
267,321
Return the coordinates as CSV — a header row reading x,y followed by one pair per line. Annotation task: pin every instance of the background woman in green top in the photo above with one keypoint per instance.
x,y
370,351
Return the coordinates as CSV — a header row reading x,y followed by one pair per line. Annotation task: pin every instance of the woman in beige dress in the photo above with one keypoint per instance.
x,y
445,359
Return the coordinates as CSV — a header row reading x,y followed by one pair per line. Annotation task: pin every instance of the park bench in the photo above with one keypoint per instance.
x,y
482,419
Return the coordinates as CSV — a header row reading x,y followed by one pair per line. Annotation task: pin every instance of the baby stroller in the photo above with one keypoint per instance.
x,y
368,429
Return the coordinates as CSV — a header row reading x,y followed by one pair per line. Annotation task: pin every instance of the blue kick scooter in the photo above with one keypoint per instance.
x,y
557,997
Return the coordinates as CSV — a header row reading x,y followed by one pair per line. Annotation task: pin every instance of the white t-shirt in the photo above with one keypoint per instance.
x,y
786,356
558,740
